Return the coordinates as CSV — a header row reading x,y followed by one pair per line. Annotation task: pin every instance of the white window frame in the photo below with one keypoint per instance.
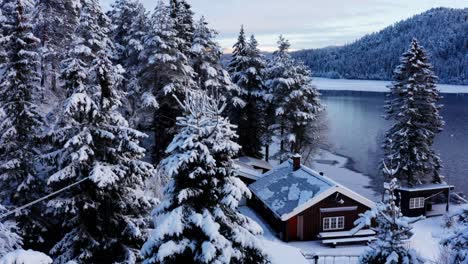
x,y
416,202
333,223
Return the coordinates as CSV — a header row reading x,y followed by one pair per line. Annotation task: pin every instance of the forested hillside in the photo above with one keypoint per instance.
x,y
442,31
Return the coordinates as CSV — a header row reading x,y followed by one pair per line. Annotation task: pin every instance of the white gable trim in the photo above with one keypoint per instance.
x,y
338,188
338,209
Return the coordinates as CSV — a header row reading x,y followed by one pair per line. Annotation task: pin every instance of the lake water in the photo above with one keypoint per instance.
x,y
356,129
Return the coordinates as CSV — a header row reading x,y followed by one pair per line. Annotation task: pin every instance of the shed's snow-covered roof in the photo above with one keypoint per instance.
x,y
287,192
255,162
426,187
247,171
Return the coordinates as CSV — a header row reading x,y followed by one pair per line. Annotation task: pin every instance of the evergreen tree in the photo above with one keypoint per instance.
x,y
392,229
457,240
130,25
9,239
182,14
247,68
198,221
54,24
297,105
103,219
206,61
414,109
167,73
20,121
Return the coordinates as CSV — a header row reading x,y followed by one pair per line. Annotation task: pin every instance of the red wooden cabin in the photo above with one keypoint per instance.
x,y
301,204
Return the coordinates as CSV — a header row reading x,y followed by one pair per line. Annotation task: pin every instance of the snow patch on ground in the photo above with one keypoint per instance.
x,y
25,257
374,86
427,234
279,252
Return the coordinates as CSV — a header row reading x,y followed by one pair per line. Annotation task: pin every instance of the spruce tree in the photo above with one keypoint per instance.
x,y
103,218
182,15
296,101
167,73
20,121
414,109
457,239
130,26
9,239
206,62
54,23
392,229
198,221
247,70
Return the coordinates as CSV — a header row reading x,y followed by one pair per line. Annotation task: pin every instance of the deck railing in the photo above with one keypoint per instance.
x,y
332,259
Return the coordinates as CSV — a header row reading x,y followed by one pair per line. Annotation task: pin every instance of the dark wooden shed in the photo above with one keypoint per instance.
x,y
427,200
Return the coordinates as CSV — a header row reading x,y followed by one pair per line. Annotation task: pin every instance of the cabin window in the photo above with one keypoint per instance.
x,y
417,202
333,223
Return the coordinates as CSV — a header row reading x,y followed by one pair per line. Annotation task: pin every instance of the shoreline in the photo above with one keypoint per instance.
x,y
375,86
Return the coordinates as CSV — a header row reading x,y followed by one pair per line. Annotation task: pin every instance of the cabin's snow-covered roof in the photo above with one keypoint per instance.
x,y
283,189
287,192
255,162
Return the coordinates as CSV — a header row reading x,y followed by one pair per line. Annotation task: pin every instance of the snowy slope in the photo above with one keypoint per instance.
x,y
25,257
279,252
374,86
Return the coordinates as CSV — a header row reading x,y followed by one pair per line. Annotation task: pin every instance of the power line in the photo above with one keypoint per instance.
x,y
14,211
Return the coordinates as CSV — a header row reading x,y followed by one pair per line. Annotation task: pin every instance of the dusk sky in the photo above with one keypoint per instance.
x,y
306,23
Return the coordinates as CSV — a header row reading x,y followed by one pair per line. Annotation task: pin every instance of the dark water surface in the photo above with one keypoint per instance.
x,y
356,129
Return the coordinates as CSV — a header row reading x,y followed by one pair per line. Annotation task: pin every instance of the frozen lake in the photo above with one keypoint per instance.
x,y
356,127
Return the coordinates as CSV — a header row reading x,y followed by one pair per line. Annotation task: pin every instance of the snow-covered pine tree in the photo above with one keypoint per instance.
x,y
457,240
5,26
206,62
54,23
130,25
20,121
247,70
167,73
182,14
198,221
414,109
393,231
297,104
103,219
9,239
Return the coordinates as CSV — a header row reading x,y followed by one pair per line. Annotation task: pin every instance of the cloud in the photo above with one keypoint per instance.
x,y
307,23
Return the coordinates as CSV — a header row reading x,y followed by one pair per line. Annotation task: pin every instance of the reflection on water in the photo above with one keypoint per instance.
x,y
356,129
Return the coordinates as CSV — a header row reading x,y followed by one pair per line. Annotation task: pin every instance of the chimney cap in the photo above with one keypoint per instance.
x,y
296,162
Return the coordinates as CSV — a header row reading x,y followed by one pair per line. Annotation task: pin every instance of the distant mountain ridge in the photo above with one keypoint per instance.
x,y
442,31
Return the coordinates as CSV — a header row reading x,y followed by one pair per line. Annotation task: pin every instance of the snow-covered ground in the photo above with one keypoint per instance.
x,y
427,234
373,86
425,240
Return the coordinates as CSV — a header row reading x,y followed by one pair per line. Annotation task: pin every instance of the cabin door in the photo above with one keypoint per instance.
x,y
300,227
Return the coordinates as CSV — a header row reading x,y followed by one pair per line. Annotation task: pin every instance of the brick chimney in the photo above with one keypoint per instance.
x,y
296,162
